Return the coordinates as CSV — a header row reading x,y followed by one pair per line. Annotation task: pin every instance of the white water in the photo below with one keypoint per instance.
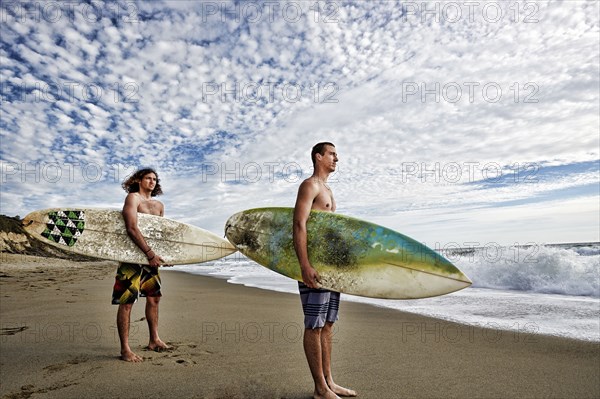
x,y
541,269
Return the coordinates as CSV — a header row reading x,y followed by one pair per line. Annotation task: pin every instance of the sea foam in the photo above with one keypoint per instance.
x,y
542,269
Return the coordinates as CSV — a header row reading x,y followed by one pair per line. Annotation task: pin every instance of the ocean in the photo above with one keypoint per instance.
x,y
540,289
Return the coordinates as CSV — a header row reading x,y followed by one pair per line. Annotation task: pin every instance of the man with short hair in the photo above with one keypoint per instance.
x,y
135,280
320,307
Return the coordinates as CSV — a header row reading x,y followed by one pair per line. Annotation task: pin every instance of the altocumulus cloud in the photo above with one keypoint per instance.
x,y
453,120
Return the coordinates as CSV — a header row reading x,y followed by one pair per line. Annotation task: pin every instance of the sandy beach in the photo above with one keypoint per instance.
x,y
58,340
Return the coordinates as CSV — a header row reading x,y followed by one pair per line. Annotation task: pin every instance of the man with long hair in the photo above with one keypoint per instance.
x,y
320,306
135,280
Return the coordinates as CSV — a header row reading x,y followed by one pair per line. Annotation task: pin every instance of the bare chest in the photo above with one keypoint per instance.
x,y
151,207
324,201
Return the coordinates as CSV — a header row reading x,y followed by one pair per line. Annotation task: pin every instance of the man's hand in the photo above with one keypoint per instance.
x,y
311,277
154,260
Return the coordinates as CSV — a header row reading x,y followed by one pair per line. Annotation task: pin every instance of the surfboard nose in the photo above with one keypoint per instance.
x,y
466,279
442,285
450,270
230,230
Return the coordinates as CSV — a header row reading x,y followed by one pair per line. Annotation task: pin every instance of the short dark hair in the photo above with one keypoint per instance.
x,y
319,148
132,185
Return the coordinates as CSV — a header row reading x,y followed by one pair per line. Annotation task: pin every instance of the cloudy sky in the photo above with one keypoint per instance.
x,y
455,122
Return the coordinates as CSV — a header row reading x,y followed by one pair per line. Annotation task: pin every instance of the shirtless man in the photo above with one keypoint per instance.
x,y
134,280
320,306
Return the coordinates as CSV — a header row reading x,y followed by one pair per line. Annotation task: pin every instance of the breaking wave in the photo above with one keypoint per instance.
x,y
559,269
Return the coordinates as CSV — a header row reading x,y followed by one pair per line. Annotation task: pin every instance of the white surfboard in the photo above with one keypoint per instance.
x,y
101,233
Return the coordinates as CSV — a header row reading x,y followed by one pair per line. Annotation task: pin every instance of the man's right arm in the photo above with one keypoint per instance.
x,y
306,195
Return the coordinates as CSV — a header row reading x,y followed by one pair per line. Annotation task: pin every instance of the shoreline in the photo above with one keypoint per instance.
x,y
58,339
530,323
456,329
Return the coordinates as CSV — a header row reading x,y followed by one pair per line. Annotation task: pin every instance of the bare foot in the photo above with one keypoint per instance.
x,y
129,356
158,346
327,395
341,390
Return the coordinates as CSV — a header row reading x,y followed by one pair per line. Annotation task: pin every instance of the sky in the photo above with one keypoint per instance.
x,y
456,122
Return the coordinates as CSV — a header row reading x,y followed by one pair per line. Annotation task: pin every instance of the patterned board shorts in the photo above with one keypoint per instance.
x,y
319,306
133,281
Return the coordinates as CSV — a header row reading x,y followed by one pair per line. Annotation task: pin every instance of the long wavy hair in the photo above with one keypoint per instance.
x,y
132,184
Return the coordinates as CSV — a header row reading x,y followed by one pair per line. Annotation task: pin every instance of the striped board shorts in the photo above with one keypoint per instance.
x,y
319,306
133,281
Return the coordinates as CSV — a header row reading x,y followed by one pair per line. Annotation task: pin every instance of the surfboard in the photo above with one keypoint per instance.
x,y
351,255
101,233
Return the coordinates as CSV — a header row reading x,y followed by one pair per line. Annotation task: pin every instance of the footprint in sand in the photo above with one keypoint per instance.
x,y
53,368
78,360
12,330
185,362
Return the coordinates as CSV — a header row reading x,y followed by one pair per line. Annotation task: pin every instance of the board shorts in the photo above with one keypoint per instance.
x,y
133,281
319,306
